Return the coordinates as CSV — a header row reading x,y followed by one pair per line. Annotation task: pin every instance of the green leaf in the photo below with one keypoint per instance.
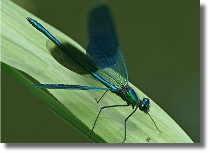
x,y
24,48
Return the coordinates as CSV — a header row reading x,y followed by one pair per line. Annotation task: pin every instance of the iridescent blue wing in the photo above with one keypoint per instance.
x,y
103,46
66,86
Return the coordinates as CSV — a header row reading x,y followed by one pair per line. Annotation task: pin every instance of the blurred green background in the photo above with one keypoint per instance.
x,y
160,41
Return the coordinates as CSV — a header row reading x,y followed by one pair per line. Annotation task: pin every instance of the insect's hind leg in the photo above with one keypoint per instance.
x,y
101,97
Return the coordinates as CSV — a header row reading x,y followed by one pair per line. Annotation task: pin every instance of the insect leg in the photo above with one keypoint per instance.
x,y
101,97
100,112
126,121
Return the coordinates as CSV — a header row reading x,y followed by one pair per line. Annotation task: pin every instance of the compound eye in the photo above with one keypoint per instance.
x,y
145,105
142,107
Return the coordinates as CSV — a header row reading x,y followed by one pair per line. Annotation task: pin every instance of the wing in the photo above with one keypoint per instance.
x,y
65,86
103,46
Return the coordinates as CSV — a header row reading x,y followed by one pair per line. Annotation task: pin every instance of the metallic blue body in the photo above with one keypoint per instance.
x,y
105,55
126,93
